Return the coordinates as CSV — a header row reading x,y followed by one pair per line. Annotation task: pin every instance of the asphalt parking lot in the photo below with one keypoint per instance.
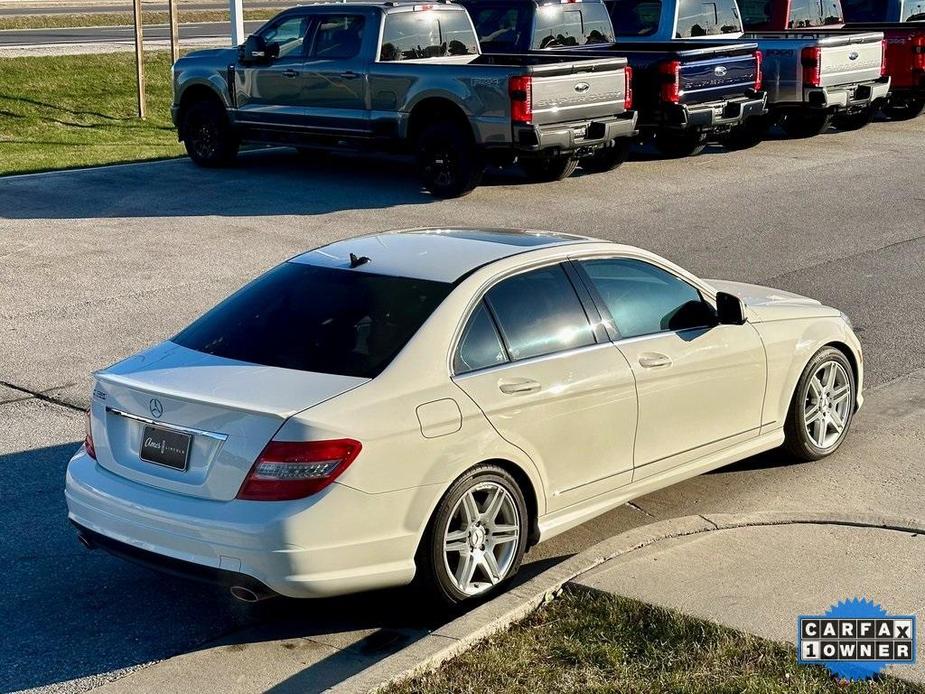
x,y
96,264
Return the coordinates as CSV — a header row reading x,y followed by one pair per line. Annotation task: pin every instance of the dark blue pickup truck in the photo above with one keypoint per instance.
x,y
685,92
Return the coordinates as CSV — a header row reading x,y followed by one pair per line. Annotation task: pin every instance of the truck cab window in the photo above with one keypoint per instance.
x,y
501,26
806,14
338,37
698,18
755,13
420,34
865,10
556,27
635,17
289,33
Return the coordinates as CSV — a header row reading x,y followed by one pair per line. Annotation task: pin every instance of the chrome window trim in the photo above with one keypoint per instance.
x,y
563,354
165,425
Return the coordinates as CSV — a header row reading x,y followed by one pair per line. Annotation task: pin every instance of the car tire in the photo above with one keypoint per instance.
x,y
905,109
548,169
747,134
818,408
453,560
677,145
854,121
208,135
448,163
607,158
805,123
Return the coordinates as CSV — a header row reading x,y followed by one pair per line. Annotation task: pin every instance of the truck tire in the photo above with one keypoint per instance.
x,y
548,169
905,109
208,136
854,121
747,134
677,145
607,158
448,163
805,123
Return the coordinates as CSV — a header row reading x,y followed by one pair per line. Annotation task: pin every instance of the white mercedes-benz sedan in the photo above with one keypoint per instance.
x,y
428,404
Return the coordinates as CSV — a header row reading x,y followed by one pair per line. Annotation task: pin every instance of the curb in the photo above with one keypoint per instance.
x,y
465,631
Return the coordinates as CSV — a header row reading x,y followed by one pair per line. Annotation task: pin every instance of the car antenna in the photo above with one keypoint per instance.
x,y
356,261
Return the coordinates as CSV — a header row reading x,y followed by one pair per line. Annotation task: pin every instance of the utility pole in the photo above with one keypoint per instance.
x,y
236,10
174,31
139,58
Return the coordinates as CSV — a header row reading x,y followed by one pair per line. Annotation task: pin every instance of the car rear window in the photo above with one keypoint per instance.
x,y
865,10
805,14
501,26
635,17
427,34
558,26
699,18
299,316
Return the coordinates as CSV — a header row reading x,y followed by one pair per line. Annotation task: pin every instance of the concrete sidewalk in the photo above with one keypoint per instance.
x,y
759,578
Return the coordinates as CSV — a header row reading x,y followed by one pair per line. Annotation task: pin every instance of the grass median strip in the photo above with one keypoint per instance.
x,y
70,111
106,19
590,642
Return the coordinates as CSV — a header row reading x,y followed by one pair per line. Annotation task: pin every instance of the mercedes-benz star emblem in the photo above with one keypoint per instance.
x,y
156,408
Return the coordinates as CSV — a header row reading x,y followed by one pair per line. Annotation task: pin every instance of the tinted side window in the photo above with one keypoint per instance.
x,y
698,18
338,36
416,35
480,346
635,17
288,33
644,299
540,313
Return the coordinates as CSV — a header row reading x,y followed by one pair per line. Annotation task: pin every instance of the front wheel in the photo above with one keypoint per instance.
x,y
677,145
448,163
856,120
549,169
822,407
476,538
905,109
208,136
805,123
607,158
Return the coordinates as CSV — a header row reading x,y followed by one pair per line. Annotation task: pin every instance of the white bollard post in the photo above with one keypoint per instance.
x,y
237,21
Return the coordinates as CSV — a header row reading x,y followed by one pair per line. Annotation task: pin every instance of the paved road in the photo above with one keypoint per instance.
x,y
217,32
98,263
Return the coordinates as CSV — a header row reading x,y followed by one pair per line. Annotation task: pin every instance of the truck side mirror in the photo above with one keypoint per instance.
x,y
256,50
729,309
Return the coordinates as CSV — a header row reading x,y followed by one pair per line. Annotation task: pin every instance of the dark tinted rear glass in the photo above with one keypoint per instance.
x,y
427,34
302,317
755,13
865,10
806,14
635,17
699,18
501,27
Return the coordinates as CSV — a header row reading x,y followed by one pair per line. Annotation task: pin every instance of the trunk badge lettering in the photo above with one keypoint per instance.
x,y
582,87
156,408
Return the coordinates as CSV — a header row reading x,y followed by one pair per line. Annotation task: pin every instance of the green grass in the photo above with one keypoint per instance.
x,y
587,642
71,111
101,19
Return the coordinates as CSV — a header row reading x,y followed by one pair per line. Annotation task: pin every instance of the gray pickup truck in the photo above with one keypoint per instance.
x,y
400,77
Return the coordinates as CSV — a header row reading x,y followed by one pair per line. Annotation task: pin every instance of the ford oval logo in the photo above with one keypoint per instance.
x,y
719,71
853,55
582,87
156,408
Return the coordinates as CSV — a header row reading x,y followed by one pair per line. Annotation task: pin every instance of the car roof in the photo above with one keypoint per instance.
x,y
442,255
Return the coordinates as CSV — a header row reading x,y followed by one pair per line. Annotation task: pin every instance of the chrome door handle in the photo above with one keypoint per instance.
x,y
518,386
290,73
653,360
350,75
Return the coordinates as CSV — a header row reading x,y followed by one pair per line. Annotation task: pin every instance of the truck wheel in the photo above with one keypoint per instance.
x,y
547,169
448,163
676,145
905,109
607,158
747,134
854,121
208,136
805,123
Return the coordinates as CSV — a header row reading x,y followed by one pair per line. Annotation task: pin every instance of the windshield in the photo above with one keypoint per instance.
x,y
698,18
427,34
298,316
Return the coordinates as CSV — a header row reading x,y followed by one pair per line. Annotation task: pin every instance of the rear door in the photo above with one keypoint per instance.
x,y
532,362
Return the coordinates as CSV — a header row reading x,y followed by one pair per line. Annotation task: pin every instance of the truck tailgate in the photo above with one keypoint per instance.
x,y
578,96
857,61
714,79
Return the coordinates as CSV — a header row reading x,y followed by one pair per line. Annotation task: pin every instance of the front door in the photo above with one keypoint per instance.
x,y
529,358
700,385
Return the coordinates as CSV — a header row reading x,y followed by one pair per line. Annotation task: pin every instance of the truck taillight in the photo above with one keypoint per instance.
x,y
628,91
918,52
811,59
521,90
883,61
758,75
670,72
287,470
88,439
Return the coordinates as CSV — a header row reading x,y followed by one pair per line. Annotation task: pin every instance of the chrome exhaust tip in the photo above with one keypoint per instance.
x,y
245,594
85,541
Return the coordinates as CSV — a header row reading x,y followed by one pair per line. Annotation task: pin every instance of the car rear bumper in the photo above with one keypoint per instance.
x,y
848,96
336,542
714,115
574,136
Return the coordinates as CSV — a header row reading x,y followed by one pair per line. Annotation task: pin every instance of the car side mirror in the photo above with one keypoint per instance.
x,y
729,309
256,50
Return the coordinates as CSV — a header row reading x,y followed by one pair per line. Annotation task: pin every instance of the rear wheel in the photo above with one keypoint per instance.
x,y
677,145
448,163
208,136
607,158
805,123
856,120
747,134
822,407
546,169
905,109
476,538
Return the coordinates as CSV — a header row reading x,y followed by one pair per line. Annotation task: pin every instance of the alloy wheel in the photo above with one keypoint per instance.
x,y
827,405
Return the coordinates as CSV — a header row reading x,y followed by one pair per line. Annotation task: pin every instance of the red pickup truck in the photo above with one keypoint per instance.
x,y
905,41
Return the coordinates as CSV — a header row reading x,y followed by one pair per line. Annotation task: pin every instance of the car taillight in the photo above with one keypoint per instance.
x,y
88,439
758,75
883,61
670,72
628,91
918,52
288,470
521,90
811,59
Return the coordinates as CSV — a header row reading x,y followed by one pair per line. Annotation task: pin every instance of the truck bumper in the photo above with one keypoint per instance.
x,y
572,137
716,115
850,96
